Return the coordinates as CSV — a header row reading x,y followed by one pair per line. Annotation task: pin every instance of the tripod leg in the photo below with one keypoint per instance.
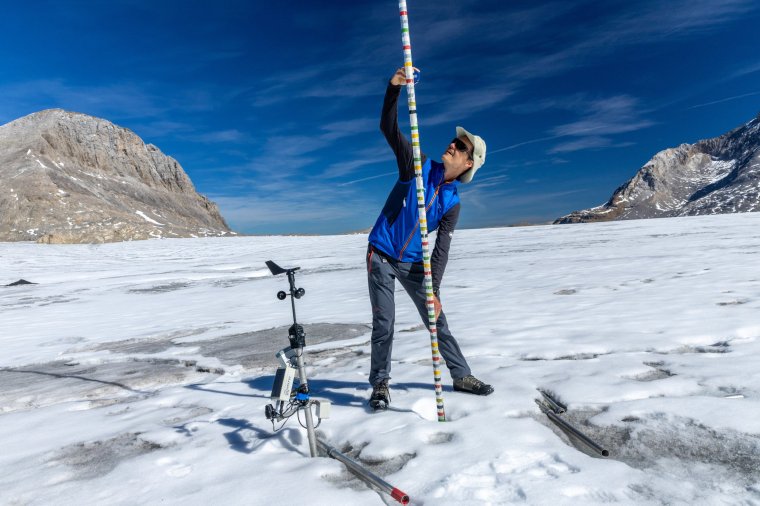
x,y
309,419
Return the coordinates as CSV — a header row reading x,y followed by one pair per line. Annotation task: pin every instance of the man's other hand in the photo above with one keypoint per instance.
x,y
437,306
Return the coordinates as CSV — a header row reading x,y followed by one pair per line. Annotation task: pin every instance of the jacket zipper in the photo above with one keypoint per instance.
x,y
414,230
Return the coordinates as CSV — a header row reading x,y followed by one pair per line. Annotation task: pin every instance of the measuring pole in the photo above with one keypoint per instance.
x,y
365,475
409,69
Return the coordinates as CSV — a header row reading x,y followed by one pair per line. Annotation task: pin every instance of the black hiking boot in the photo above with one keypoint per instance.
x,y
381,396
472,385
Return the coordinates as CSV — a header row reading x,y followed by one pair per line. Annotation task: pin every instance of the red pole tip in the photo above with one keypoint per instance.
x,y
400,496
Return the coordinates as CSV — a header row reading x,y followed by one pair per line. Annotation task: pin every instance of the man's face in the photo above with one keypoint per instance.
x,y
458,156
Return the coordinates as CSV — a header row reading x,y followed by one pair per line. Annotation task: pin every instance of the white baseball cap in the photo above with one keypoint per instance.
x,y
478,154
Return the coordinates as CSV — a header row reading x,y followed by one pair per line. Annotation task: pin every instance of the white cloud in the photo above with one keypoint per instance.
x,y
232,135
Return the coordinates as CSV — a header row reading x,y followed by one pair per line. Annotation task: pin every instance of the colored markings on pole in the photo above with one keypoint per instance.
x,y
407,49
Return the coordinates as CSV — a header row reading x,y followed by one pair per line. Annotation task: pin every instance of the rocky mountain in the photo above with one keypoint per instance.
x,y
713,176
71,178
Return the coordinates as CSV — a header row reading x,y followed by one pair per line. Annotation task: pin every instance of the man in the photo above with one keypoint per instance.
x,y
395,245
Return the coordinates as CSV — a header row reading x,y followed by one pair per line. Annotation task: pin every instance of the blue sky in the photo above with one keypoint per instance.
x,y
272,108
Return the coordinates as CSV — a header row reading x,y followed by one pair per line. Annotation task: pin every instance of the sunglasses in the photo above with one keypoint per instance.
x,y
459,145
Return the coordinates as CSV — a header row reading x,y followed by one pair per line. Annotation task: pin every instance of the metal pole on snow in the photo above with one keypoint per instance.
x,y
365,475
409,69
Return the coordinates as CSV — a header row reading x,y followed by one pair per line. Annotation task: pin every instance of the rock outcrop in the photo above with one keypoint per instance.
x,y
713,176
72,178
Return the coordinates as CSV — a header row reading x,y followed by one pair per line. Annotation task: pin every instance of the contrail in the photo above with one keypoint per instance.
x,y
367,178
513,146
542,139
725,100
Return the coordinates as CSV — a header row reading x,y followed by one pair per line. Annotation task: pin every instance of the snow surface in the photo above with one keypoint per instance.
x,y
137,373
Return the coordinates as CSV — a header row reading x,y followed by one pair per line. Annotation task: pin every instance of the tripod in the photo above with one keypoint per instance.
x,y
287,401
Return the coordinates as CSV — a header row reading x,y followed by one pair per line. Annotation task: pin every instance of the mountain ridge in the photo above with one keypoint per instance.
x,y
76,178
712,176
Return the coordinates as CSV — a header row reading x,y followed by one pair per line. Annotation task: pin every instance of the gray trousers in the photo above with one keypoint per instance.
x,y
382,273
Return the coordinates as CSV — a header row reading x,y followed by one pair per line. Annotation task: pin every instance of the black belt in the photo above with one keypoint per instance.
x,y
380,253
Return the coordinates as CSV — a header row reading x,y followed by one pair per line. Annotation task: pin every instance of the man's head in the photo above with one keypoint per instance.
x,y
464,156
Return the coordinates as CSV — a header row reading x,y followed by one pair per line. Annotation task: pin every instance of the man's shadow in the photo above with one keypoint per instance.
x,y
343,393
340,393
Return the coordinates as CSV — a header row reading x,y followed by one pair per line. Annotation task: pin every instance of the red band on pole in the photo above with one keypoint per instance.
x,y
400,496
